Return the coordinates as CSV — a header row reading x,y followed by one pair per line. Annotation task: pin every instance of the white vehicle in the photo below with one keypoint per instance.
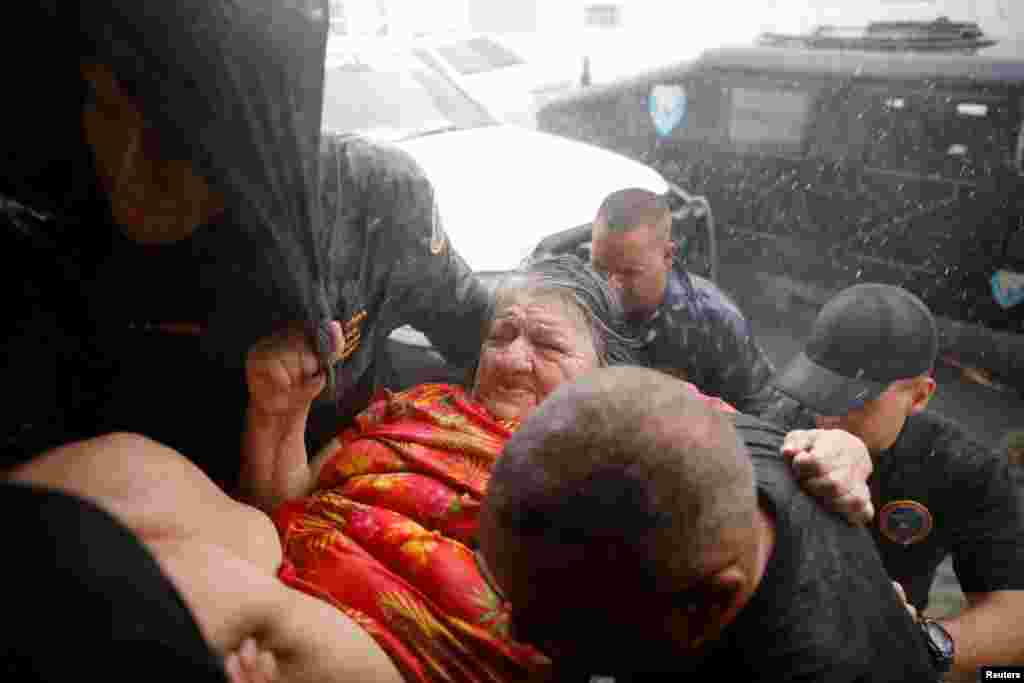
x,y
500,188
511,77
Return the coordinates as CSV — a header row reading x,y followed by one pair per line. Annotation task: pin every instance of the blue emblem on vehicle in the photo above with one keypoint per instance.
x,y
905,521
667,105
1007,288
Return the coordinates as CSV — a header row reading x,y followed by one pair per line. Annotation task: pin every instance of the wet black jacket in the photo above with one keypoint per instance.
x,y
113,349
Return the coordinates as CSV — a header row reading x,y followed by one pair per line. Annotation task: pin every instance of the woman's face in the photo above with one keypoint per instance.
x,y
535,342
153,199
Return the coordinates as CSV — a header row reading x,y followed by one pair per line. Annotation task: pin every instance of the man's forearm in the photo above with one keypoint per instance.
x,y
987,633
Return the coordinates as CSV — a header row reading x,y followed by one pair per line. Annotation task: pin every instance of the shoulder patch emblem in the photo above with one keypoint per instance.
x,y
905,521
351,329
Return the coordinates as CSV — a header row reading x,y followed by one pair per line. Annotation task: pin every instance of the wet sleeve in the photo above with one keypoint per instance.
x,y
762,439
988,543
743,368
434,288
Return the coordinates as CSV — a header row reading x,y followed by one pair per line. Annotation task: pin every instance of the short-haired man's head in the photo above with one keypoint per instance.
x,y
619,495
633,208
632,246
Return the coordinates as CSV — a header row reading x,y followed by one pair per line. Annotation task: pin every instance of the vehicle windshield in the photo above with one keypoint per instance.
x,y
478,55
393,95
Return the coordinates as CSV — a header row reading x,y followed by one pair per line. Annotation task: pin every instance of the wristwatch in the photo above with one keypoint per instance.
x,y
940,644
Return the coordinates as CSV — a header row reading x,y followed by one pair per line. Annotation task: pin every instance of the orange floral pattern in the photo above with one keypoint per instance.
x,y
386,537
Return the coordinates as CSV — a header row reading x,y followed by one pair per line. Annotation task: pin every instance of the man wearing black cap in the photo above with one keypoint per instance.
x,y
866,368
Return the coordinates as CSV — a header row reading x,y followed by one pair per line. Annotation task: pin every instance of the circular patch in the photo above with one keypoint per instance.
x,y
905,521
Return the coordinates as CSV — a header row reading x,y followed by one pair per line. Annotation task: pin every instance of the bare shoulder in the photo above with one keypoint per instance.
x,y
155,492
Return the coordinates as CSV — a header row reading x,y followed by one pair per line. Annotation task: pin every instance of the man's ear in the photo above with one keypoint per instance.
x,y
923,390
670,252
716,603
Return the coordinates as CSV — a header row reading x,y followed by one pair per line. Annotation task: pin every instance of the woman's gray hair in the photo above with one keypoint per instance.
x,y
574,280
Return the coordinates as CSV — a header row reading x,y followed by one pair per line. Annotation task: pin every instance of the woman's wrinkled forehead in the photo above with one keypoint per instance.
x,y
523,293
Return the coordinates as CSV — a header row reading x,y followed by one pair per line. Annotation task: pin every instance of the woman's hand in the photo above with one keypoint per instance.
x,y
833,466
284,376
283,373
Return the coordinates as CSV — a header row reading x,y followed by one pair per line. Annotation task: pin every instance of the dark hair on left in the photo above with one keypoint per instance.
x,y
572,277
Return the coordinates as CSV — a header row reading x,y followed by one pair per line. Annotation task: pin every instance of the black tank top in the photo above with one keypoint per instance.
x,y
146,367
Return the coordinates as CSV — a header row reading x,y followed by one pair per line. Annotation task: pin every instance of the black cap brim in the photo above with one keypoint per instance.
x,y
823,391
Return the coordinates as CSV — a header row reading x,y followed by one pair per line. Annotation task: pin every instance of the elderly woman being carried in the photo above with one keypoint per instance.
x,y
381,524
380,527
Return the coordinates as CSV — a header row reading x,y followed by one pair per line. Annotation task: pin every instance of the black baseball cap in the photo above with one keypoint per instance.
x,y
866,337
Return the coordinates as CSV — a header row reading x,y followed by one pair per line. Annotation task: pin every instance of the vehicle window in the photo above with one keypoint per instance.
x,y
605,15
478,55
954,135
768,120
978,138
366,92
767,116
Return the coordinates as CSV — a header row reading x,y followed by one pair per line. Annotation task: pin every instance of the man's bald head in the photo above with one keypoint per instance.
x,y
629,466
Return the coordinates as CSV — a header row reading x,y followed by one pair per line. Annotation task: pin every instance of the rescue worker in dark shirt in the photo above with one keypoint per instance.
x,y
688,326
640,534
866,368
